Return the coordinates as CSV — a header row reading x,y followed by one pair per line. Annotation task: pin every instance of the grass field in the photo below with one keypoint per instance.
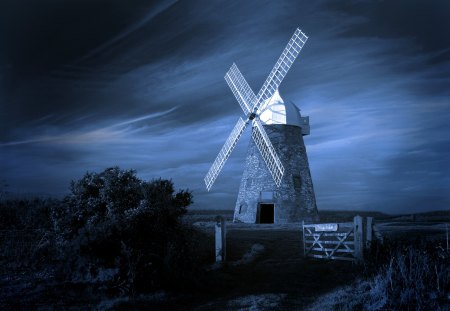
x,y
265,270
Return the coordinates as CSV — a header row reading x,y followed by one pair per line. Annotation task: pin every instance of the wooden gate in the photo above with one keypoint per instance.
x,y
339,241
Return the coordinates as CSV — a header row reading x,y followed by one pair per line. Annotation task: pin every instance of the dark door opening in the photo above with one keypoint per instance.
x,y
266,213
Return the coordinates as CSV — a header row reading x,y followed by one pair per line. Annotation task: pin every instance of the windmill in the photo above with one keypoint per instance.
x,y
266,180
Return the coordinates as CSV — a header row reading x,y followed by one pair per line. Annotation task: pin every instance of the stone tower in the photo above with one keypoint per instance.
x,y
259,199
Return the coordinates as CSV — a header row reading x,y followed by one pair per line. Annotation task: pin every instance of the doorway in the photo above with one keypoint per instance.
x,y
266,213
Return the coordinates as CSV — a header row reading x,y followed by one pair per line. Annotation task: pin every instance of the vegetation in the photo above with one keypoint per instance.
x,y
113,229
26,234
115,237
399,275
414,275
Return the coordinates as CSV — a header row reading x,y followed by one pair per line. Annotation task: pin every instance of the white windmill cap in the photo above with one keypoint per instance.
x,y
276,111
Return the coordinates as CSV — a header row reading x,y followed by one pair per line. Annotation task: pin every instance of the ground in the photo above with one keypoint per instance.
x,y
265,270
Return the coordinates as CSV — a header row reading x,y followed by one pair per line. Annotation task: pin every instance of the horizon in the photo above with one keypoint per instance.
x,y
29,196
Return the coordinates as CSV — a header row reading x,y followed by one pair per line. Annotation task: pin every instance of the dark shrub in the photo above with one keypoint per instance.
x,y
23,214
118,229
26,234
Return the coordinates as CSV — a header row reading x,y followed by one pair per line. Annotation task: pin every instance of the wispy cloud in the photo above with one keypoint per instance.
x,y
128,31
107,134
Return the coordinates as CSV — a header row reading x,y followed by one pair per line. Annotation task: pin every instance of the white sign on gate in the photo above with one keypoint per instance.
x,y
325,227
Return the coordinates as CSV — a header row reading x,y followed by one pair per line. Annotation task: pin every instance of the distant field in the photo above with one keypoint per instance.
x,y
345,216
208,215
430,225
336,216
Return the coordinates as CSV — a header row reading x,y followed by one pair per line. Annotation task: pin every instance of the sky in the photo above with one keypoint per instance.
x,y
86,85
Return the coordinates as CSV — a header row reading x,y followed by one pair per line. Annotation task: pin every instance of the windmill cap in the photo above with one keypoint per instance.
x,y
276,111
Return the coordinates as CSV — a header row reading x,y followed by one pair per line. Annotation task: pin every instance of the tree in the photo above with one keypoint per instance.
x,y
114,224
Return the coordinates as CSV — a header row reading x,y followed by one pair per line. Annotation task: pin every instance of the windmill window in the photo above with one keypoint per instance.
x,y
297,181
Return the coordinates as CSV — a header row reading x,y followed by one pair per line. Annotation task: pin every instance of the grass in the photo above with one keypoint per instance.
x,y
265,268
399,276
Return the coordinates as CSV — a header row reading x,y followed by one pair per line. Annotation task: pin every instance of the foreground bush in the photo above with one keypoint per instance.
x,y
119,230
416,276
400,276
26,234
25,214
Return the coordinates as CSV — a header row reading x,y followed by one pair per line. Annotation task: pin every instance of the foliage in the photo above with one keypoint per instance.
x,y
26,214
117,228
399,276
412,275
26,235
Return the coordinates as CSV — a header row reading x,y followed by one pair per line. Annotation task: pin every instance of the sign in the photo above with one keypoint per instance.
x,y
326,227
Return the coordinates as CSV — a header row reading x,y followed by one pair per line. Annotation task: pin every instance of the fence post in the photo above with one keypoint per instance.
x,y
220,239
369,229
304,243
358,231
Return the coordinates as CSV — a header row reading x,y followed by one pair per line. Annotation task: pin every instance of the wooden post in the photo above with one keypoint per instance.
x,y
358,231
220,239
304,243
369,229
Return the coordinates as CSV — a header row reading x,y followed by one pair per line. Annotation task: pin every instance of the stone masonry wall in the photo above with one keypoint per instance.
x,y
294,200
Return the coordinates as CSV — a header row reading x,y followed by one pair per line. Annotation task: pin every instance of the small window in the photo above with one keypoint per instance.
x,y
297,181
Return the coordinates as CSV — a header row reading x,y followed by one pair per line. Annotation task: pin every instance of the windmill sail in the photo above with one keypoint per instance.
x,y
251,104
224,153
268,153
281,67
240,89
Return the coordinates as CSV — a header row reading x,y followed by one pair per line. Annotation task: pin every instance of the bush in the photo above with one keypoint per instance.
x,y
118,229
22,214
399,276
412,275
26,235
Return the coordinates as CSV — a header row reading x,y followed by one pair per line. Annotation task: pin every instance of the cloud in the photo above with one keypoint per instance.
x,y
160,7
425,24
153,98
110,133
